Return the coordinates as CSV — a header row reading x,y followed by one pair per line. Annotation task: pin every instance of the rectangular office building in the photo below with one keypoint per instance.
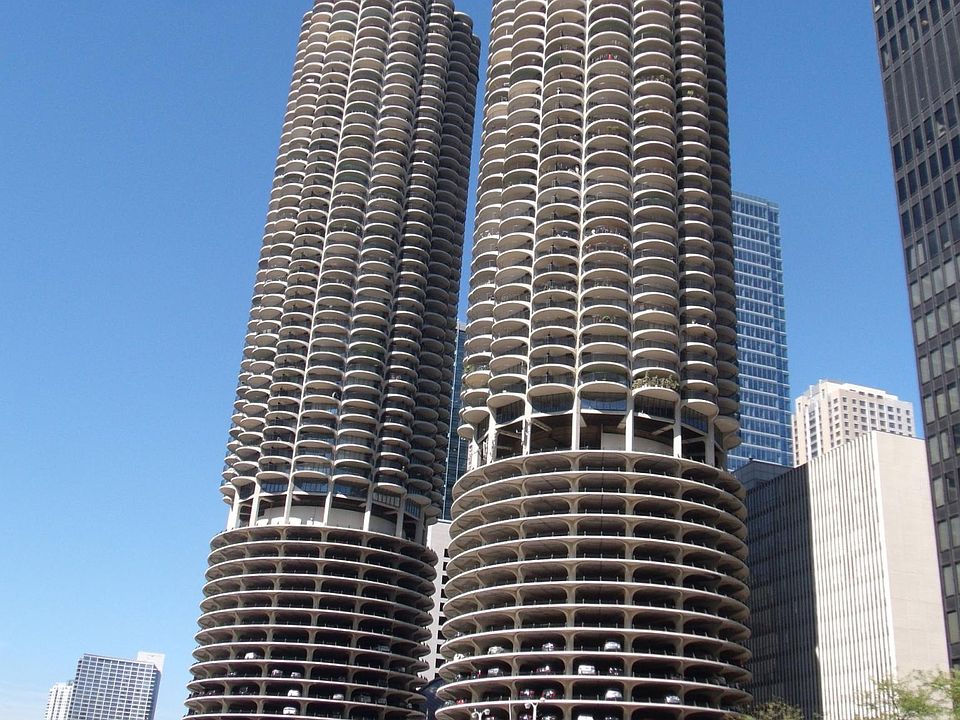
x,y
761,334
919,49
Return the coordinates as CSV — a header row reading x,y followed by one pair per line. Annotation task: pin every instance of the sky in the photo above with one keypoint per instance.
x,y
137,146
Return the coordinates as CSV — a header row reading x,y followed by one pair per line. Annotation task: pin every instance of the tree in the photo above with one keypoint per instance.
x,y
919,696
774,710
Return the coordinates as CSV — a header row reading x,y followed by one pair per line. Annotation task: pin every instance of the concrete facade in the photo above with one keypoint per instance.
x,y
438,540
879,612
597,556
317,594
844,574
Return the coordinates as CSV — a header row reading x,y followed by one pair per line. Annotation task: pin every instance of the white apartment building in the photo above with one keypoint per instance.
x,y
109,688
438,540
875,569
831,413
58,701
597,560
318,591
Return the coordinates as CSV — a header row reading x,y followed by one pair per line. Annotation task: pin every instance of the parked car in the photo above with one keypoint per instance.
x,y
586,669
548,646
289,710
549,694
527,693
496,650
337,696
614,670
672,699
546,669
495,672
613,694
293,692
612,645
459,656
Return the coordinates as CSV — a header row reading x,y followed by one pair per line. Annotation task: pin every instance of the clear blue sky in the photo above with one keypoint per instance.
x,y
137,143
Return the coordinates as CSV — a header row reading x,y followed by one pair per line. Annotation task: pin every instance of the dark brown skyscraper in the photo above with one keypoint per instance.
x,y
919,44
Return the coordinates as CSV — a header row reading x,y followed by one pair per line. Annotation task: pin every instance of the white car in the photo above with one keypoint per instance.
x,y
289,710
293,693
496,650
586,669
612,646
613,694
672,699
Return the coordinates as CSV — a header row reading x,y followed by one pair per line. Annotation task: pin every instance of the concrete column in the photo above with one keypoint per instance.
x,y
255,508
631,419
677,432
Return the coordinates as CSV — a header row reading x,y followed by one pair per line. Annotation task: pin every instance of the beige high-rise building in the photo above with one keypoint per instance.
x,y
876,575
597,553
438,540
318,590
831,413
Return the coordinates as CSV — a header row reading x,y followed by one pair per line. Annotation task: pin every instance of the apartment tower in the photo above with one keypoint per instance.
x,y
108,688
761,334
597,544
919,47
319,590
58,701
832,413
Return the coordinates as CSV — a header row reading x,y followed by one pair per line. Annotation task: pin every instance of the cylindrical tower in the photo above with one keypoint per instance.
x,y
318,592
597,567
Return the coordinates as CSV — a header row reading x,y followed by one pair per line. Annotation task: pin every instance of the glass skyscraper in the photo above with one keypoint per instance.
x,y
456,446
761,334
919,48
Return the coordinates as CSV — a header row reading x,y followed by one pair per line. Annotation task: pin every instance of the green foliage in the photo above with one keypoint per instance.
x,y
774,710
651,380
919,696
